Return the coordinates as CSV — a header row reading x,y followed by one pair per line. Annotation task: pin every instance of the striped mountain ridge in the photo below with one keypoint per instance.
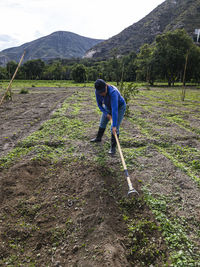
x,y
168,16
60,44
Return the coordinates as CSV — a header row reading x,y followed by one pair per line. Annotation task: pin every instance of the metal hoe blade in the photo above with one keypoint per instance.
x,y
131,189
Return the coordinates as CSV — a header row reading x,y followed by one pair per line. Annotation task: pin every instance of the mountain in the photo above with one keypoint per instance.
x,y
170,15
59,44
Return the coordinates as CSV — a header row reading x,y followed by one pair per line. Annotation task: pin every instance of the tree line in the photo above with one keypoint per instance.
x,y
173,57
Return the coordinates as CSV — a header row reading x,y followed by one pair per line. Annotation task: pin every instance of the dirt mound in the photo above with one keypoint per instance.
x,y
71,214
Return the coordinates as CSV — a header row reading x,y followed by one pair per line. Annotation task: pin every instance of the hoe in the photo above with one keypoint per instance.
x,y
131,189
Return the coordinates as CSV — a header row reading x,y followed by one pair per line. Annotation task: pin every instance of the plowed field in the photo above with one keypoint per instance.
x,y
63,200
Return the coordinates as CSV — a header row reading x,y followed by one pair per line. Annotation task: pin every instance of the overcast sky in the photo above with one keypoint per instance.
x,y
26,20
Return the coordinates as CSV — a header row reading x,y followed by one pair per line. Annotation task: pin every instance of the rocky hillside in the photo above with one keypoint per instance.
x,y
170,15
59,44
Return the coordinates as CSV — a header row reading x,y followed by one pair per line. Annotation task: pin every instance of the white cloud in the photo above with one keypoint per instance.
x,y
6,40
28,20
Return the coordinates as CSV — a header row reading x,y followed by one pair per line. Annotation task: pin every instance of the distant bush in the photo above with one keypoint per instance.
x,y
24,91
79,73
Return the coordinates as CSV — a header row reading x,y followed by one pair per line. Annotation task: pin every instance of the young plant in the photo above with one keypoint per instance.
x,y
128,90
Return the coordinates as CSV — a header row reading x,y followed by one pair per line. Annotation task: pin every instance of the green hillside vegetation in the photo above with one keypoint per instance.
x,y
169,16
172,58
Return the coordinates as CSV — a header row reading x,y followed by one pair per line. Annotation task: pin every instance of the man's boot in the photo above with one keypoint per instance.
x,y
99,135
113,145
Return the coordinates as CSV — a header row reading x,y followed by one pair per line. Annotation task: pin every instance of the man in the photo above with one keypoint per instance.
x,y
112,106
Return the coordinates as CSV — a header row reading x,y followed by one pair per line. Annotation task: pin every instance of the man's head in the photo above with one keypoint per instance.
x,y
101,87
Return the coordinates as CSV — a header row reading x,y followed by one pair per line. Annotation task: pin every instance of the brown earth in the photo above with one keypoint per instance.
x,y
71,213
26,112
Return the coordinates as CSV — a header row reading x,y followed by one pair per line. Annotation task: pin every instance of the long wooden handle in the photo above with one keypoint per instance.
x,y
131,189
120,152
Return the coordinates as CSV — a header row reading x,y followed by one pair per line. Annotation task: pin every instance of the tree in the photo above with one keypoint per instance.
x,y
145,65
193,66
33,69
116,69
78,73
3,73
129,67
55,71
170,53
11,67
92,74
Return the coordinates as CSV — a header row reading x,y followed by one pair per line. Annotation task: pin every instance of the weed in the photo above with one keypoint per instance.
x,y
132,154
143,246
15,154
182,249
182,160
24,91
28,210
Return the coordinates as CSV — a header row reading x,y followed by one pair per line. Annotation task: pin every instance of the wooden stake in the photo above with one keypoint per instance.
x,y
13,77
184,74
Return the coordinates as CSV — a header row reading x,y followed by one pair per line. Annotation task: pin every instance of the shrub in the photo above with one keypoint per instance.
x,y
127,91
24,91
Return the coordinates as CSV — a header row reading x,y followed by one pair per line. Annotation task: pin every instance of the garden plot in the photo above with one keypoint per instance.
x,y
63,200
26,112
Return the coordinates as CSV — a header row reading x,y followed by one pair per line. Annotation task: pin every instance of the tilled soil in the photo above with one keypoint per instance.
x,y
26,112
74,212
68,215
69,219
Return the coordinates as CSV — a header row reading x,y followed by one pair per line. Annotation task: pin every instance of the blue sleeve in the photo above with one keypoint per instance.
x,y
99,103
114,105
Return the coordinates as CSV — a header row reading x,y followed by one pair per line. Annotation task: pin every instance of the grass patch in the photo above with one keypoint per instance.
x,y
187,162
181,122
17,84
15,155
131,155
145,238
183,252
49,141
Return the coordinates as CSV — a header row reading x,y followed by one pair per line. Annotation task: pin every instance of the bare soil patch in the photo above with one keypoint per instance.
x,y
68,214
26,112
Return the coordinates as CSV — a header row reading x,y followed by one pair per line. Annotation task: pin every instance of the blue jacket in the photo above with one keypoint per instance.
x,y
112,101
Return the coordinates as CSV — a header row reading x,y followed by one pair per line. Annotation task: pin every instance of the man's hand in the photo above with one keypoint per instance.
x,y
109,117
114,130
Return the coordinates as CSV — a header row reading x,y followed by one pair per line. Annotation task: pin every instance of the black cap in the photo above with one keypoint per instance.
x,y
100,86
